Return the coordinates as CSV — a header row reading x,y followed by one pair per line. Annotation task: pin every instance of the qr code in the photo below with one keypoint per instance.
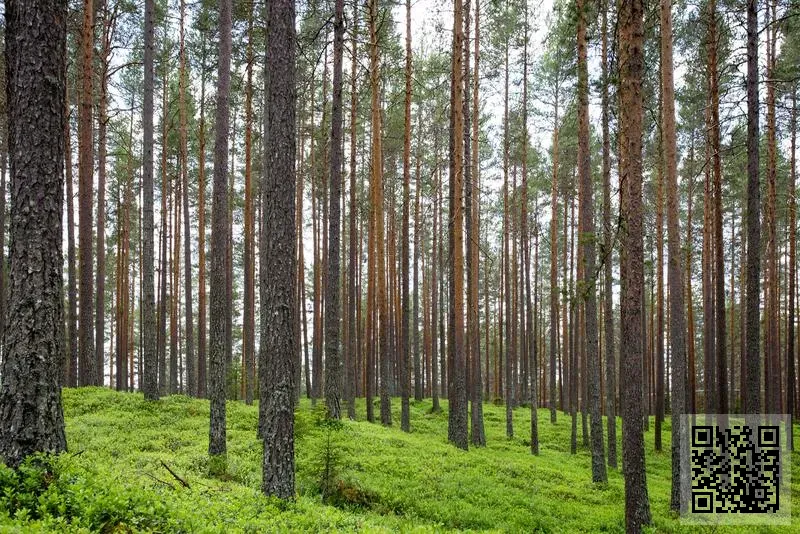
x,y
735,467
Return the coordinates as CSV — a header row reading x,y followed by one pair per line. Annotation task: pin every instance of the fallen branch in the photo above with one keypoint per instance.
x,y
158,480
174,474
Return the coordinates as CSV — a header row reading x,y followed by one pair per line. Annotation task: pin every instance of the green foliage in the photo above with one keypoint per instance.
x,y
351,475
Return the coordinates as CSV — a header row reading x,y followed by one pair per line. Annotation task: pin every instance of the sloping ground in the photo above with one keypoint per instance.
x,y
115,477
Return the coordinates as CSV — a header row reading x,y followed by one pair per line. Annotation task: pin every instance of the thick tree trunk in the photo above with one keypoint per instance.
x,y
277,275
219,309
631,28
31,417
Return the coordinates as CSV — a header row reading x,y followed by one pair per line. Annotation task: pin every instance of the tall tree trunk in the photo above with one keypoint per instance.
x,y
191,368
457,431
587,229
752,327
354,300
631,28
791,393
677,320
72,299
102,124
608,257
528,341
719,256
473,240
277,274
149,381
88,371
691,387
405,381
248,331
377,209
201,230
772,373
333,359
658,272
509,340
31,417
219,303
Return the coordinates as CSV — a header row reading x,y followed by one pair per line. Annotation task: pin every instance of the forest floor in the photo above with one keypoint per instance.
x,y
140,466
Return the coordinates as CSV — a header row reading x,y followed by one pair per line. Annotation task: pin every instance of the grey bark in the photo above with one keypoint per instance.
x,y
333,357
217,350
31,417
278,255
149,381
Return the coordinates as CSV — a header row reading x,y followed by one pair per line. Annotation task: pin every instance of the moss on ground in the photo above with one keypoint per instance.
x,y
375,479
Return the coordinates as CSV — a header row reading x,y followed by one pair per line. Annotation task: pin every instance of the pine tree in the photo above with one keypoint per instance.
x,y
277,278
31,417
631,61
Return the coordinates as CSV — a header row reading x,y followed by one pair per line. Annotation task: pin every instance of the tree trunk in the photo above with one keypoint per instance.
x,y
772,390
752,327
354,299
88,371
719,255
405,381
248,331
31,417
102,124
377,209
149,381
219,309
587,229
473,241
201,230
608,258
72,299
333,359
277,275
631,28
457,431
191,369
677,319
509,317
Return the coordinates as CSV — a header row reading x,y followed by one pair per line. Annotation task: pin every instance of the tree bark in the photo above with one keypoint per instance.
x,y
88,371
677,319
31,417
333,358
588,240
608,257
631,28
249,326
278,257
220,224
149,382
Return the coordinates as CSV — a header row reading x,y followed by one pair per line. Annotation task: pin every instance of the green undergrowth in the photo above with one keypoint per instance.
x,y
137,466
